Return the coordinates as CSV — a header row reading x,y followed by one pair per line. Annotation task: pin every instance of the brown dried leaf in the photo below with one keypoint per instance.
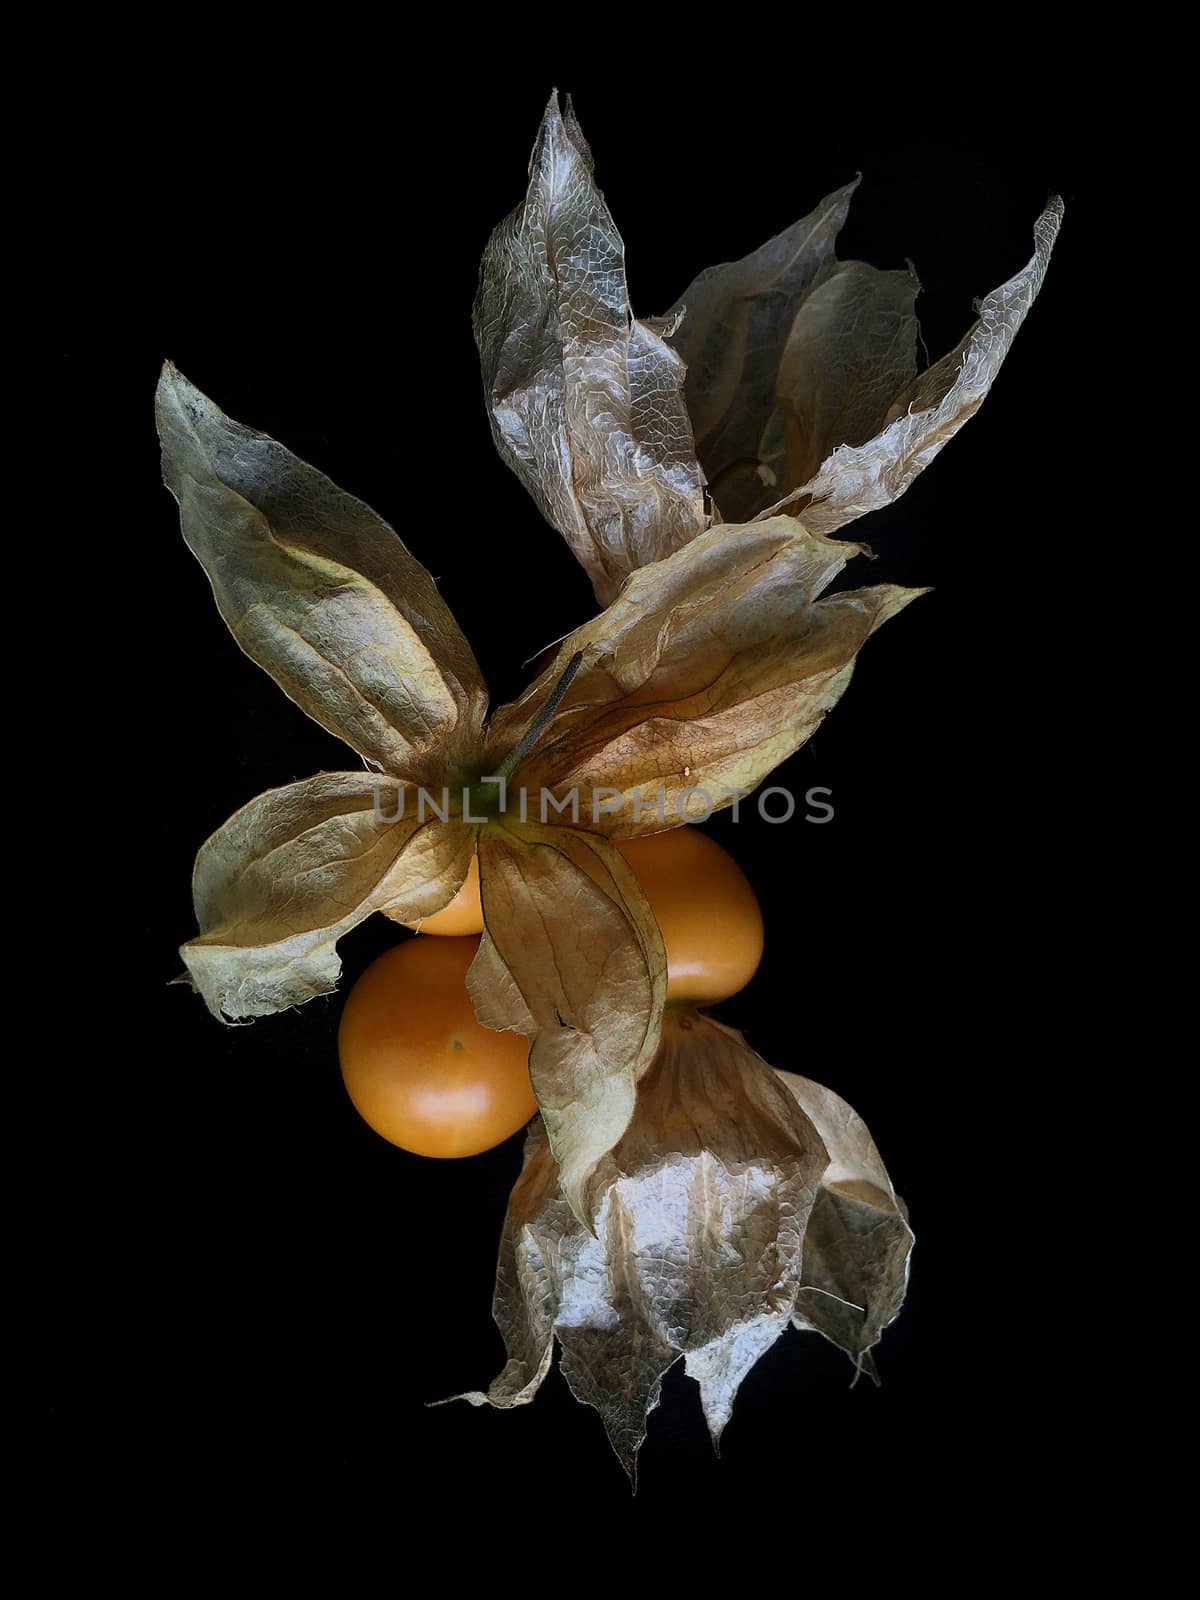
x,y
318,590
856,479
852,348
843,351
700,1211
709,669
572,958
585,401
736,319
858,1244
290,873
801,384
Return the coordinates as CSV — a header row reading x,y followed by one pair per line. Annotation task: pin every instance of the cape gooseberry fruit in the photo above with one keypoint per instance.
x,y
419,1068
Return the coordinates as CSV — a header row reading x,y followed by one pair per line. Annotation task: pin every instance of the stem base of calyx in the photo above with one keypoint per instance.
x,y
513,761
485,796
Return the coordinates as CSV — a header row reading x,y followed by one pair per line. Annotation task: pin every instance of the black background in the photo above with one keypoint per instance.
x,y
276,1291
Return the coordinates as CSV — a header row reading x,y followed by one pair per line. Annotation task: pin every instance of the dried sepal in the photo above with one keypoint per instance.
x,y
858,1244
845,423
708,670
801,387
290,873
851,349
856,479
572,958
733,322
585,401
319,590
701,1212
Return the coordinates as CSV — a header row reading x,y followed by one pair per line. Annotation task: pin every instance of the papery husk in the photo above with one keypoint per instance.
x,y
703,1215
573,959
713,665
585,401
709,669
802,390
730,328
279,883
320,591
859,1243
847,422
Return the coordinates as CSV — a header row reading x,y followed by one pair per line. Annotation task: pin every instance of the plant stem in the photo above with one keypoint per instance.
x,y
543,717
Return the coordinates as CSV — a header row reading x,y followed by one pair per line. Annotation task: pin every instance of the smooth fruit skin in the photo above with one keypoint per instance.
x,y
710,919
463,915
419,1068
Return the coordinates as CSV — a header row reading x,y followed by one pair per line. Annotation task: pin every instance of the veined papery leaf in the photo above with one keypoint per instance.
x,y
704,1214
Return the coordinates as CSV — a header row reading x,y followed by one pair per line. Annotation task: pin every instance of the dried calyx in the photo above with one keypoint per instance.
x,y
740,1201
708,670
788,379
